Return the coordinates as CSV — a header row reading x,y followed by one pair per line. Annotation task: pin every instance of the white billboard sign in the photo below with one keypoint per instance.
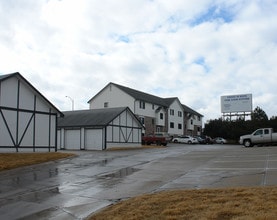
x,y
236,103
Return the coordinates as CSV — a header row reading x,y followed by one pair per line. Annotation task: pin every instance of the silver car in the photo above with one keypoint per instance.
x,y
220,140
185,140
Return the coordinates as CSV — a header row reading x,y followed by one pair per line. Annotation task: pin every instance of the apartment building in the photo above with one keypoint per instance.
x,y
157,114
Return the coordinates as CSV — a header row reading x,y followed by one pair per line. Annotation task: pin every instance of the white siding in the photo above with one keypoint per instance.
x,y
41,105
124,129
4,134
114,97
9,93
175,119
26,97
53,131
59,139
159,121
42,132
10,117
20,124
24,119
148,111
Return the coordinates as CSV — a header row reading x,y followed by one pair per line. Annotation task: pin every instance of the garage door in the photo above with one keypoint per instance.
x,y
72,139
93,139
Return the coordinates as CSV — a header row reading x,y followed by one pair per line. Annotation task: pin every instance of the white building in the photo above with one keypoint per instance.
x,y
157,114
28,121
99,129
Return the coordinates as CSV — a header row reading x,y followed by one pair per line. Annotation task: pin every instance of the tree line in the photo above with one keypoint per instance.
x,y
233,129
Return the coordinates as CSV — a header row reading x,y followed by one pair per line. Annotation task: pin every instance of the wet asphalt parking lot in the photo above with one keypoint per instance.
x,y
74,188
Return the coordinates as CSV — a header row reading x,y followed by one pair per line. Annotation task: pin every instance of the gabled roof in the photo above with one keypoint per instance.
x,y
166,102
138,95
91,117
19,76
169,101
191,111
6,76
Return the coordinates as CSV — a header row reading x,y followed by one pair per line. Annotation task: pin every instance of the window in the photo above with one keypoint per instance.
x,y
161,116
191,122
259,132
153,106
141,120
142,104
171,112
106,104
179,114
199,118
266,131
171,124
179,126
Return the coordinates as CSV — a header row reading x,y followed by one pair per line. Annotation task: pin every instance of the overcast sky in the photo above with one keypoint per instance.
x,y
195,50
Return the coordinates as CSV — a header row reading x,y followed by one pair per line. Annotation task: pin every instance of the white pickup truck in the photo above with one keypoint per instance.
x,y
260,136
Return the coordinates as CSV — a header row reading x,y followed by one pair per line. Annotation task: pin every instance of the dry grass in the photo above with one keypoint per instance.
x,y
258,203
14,160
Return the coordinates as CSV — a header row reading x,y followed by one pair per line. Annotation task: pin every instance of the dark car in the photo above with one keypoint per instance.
x,y
200,140
204,139
209,140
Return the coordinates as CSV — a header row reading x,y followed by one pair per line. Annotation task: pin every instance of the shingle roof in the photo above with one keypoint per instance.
x,y
90,118
189,110
142,95
166,102
138,95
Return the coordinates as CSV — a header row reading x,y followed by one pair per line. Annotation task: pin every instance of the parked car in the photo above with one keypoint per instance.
x,y
200,139
220,140
185,139
209,140
204,139
261,136
155,139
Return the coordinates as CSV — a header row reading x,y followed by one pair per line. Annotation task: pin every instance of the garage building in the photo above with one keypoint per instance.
x,y
28,121
99,129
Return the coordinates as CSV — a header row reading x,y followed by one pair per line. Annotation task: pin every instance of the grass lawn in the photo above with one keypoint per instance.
x,y
204,204
14,160
214,204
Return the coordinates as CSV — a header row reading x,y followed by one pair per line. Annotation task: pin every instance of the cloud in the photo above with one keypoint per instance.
x,y
195,50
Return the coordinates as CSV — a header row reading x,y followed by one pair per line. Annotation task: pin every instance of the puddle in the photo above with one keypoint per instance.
x,y
121,173
101,163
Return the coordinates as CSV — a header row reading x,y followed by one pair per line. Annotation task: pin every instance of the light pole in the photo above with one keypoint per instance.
x,y
72,102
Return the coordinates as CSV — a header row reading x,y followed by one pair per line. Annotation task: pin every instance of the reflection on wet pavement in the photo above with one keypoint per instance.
x,y
75,187
120,173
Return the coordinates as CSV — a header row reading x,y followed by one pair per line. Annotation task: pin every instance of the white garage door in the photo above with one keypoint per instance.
x,y
93,139
72,139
